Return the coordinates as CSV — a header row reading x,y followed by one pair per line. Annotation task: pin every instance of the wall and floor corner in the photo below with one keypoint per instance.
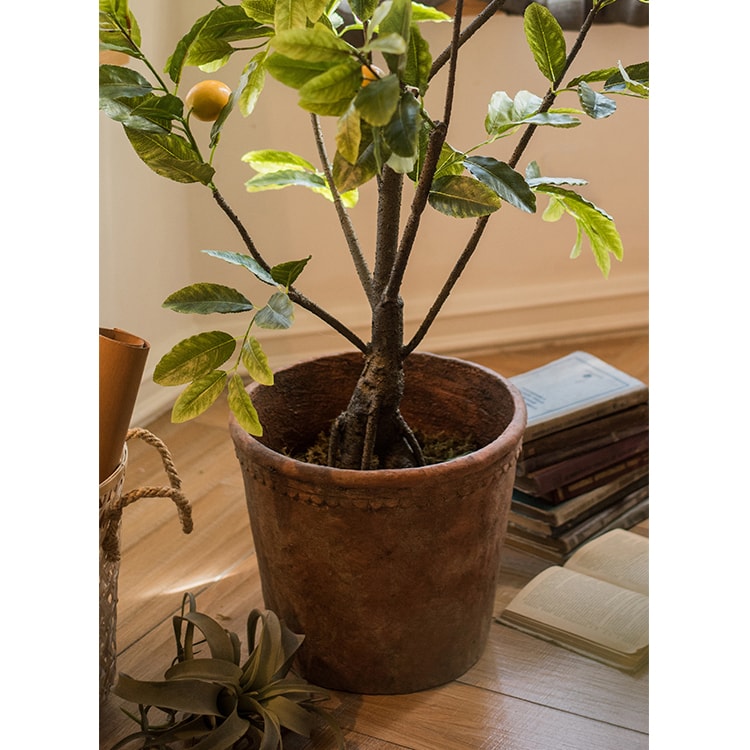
x,y
521,286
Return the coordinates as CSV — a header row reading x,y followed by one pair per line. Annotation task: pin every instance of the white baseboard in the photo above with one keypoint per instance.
x,y
469,323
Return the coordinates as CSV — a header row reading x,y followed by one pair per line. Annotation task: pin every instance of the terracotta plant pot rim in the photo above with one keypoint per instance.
x,y
407,477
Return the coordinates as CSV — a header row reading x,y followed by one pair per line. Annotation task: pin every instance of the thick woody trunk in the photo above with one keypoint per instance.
x,y
371,433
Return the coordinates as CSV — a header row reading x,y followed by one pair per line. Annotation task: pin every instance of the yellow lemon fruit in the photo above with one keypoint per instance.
x,y
207,98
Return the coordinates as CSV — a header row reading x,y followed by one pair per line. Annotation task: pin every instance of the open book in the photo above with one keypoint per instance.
x,y
596,604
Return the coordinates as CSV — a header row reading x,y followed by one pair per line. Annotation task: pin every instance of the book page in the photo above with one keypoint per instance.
x,y
590,609
619,556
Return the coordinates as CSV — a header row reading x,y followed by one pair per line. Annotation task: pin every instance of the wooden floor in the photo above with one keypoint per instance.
x,y
523,694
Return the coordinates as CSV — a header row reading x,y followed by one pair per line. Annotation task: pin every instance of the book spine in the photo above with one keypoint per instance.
x,y
567,472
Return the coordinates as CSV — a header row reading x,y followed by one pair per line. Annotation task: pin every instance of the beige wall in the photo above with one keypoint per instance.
x,y
521,285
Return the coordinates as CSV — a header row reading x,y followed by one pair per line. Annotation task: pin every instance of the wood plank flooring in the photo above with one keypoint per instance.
x,y
523,694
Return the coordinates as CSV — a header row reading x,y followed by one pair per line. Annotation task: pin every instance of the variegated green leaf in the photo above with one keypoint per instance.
x,y
277,314
205,298
546,40
363,9
270,160
246,261
418,62
311,45
289,14
463,197
254,80
295,73
590,220
242,407
287,273
116,81
170,156
256,362
594,104
261,11
194,357
331,92
198,396
285,178
118,27
402,132
349,134
504,180
377,102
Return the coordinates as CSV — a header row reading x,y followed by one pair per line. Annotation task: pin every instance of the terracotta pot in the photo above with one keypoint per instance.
x,y
390,574
122,359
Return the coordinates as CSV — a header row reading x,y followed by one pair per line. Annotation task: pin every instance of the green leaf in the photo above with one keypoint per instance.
x,y
285,178
287,273
256,362
193,696
198,396
450,161
363,9
193,357
504,180
393,44
397,21
116,81
204,298
271,160
418,62
546,40
154,113
377,102
534,178
590,220
202,52
295,73
461,197
118,27
150,113
289,14
595,105
402,132
506,115
209,38
331,92
349,134
633,80
242,407
348,175
277,314
254,77
171,156
311,45
246,261
261,11
420,12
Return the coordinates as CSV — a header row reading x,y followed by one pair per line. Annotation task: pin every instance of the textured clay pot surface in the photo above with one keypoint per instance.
x,y
389,574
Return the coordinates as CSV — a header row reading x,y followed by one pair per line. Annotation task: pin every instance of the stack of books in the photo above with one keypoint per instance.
x,y
583,469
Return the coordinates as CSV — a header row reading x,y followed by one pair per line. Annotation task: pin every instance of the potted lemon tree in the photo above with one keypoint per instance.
x,y
378,481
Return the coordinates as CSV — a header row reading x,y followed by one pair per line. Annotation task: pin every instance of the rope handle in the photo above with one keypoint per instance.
x,y
111,512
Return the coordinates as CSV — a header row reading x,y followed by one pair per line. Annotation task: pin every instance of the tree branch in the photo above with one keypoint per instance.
x,y
350,235
294,295
482,222
480,20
